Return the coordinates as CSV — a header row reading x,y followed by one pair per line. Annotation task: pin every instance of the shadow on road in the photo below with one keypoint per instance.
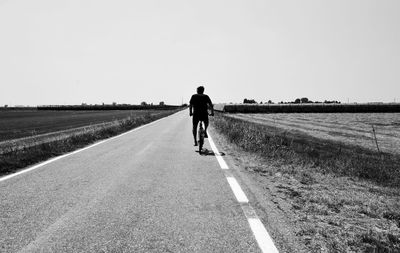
x,y
207,152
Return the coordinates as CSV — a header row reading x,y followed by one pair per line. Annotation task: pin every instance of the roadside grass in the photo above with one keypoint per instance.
x,y
298,148
21,156
340,198
17,124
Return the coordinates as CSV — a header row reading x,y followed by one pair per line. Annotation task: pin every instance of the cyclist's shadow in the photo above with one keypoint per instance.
x,y
207,152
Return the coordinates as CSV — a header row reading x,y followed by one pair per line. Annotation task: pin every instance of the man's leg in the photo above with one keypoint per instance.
x,y
195,123
206,125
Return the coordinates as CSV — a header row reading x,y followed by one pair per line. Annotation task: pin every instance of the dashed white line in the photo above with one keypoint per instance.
x,y
264,240
221,161
237,190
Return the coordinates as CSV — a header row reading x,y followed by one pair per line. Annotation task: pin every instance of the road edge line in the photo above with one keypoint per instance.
x,y
221,161
260,233
31,168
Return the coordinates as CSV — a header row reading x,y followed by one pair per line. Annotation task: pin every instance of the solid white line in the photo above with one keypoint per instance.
x,y
237,190
76,151
221,161
46,162
263,239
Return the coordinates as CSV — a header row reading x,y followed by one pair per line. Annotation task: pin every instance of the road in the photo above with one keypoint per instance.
x,y
146,191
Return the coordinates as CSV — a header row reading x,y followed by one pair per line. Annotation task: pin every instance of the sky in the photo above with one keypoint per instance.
x,y
128,51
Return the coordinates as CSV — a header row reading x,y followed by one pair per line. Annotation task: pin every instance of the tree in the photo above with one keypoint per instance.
x,y
304,100
297,101
331,102
249,101
143,103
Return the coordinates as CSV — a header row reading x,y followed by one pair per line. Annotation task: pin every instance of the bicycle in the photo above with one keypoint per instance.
x,y
201,135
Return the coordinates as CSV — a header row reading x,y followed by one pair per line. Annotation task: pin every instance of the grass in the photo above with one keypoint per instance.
x,y
324,155
16,124
22,155
356,129
338,198
308,108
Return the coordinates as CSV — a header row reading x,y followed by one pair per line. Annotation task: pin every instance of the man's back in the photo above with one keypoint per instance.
x,y
200,104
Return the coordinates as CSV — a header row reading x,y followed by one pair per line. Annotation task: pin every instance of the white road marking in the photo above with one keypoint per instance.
x,y
76,151
237,190
264,240
221,161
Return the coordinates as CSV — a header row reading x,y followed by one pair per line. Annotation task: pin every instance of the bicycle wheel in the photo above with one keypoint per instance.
x,y
201,142
201,137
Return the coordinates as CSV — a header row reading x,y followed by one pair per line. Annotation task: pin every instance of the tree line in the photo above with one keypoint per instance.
x,y
303,100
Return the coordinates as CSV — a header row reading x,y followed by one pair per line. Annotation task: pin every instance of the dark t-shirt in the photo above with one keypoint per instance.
x,y
200,104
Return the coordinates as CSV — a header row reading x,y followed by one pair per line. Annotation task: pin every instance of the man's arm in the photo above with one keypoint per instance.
x,y
211,106
212,109
191,106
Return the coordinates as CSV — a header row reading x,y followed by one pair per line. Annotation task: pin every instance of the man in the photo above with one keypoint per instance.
x,y
199,104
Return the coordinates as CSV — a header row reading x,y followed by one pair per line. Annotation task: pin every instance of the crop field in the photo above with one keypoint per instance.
x,y
28,137
339,197
16,124
348,128
310,108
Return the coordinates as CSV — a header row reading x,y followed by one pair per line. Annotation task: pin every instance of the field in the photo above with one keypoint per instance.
x,y
310,108
348,128
32,136
323,174
16,124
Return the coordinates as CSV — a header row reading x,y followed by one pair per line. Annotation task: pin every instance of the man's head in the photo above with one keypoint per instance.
x,y
200,90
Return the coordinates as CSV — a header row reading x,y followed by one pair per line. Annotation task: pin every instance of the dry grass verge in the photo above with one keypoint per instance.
x,y
19,156
339,198
324,155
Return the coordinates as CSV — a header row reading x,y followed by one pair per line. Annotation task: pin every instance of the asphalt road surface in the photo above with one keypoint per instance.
x,y
146,191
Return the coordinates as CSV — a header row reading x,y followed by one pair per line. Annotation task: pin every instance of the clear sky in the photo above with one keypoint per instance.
x,y
127,51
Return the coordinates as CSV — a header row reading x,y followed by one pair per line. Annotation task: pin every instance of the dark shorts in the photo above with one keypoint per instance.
x,y
197,118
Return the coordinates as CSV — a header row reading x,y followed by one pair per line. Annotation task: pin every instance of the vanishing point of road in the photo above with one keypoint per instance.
x,y
145,191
